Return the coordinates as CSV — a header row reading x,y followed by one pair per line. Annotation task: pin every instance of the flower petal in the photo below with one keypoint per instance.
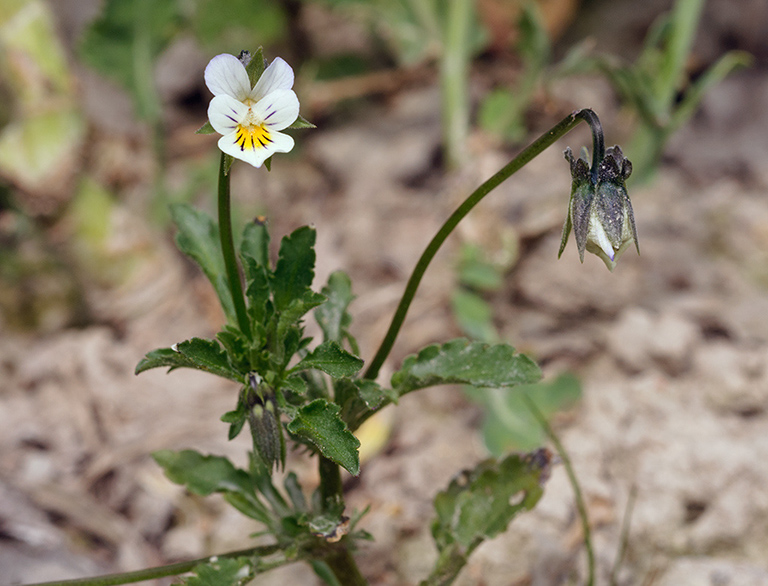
x,y
278,109
278,76
255,154
225,75
225,113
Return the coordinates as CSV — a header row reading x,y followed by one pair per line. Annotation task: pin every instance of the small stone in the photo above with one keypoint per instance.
x,y
672,342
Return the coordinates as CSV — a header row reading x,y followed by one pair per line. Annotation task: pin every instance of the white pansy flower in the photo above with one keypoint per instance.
x,y
250,118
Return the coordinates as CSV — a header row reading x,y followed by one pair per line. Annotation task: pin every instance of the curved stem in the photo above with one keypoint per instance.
x,y
160,571
580,504
228,250
598,141
527,155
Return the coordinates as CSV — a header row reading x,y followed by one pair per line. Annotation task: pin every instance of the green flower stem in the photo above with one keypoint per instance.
x,y
580,505
526,156
160,571
228,250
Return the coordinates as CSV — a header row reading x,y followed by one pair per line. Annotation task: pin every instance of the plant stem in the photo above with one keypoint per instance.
x,y
343,565
580,505
527,155
339,559
228,250
160,571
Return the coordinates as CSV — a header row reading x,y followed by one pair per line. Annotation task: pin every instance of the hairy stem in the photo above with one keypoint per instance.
x,y
339,558
228,250
526,156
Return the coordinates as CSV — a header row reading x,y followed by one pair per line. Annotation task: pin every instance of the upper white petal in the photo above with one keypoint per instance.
x,y
225,75
278,76
225,113
278,109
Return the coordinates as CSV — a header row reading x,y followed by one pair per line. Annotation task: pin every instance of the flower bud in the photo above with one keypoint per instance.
x,y
264,421
599,210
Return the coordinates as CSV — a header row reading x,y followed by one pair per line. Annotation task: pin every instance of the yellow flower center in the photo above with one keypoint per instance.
x,y
252,136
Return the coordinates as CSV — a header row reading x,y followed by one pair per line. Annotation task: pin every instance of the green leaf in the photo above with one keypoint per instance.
x,y
509,424
198,238
332,316
201,474
332,359
474,315
361,398
196,353
222,572
464,362
480,503
255,242
319,422
205,129
295,267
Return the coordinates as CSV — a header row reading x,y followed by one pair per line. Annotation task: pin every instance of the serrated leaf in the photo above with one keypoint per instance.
x,y
480,503
332,359
361,398
222,572
465,362
295,267
332,316
196,353
319,422
205,129
198,238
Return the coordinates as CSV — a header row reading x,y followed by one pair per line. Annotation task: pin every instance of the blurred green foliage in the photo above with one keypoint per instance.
x,y
658,85
508,424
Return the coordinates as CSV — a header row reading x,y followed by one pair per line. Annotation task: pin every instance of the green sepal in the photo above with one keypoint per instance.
x,y
205,129
256,66
295,268
319,423
301,122
198,238
332,359
464,362
197,353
